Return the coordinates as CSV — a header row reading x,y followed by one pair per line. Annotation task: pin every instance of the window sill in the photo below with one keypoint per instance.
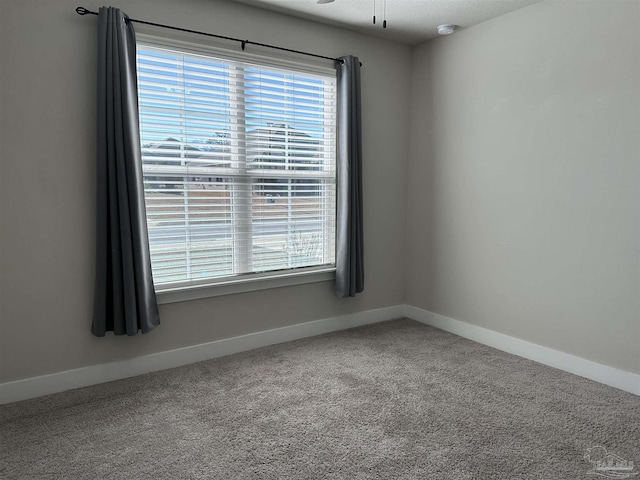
x,y
248,284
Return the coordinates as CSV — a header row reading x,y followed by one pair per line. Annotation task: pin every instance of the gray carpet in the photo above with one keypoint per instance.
x,y
391,400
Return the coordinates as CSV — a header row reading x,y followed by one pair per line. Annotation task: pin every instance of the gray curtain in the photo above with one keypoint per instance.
x,y
124,298
349,231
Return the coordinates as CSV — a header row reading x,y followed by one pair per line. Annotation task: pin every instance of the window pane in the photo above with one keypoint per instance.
x,y
239,166
290,223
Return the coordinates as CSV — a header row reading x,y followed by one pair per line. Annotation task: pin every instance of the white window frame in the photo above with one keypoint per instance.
x,y
254,281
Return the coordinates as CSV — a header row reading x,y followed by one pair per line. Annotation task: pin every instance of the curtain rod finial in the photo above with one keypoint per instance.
x,y
81,11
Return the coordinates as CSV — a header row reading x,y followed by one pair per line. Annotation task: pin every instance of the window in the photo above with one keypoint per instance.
x,y
239,165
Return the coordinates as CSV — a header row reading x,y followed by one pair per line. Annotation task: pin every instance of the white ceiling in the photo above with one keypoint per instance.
x,y
408,21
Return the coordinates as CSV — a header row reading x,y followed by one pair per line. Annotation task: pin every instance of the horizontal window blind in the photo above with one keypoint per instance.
x,y
239,166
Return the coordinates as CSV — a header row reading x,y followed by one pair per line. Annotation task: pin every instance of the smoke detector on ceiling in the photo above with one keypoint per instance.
x,y
446,29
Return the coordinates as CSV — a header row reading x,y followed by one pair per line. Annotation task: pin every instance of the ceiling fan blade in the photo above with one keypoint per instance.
x,y
321,2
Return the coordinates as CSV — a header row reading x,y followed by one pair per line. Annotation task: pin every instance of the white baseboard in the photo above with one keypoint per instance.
x,y
83,377
613,377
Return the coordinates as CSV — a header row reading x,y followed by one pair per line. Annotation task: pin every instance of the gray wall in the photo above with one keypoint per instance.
x,y
47,150
520,213
523,198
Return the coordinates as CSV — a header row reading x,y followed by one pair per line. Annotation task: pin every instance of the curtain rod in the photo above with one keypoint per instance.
x,y
84,11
